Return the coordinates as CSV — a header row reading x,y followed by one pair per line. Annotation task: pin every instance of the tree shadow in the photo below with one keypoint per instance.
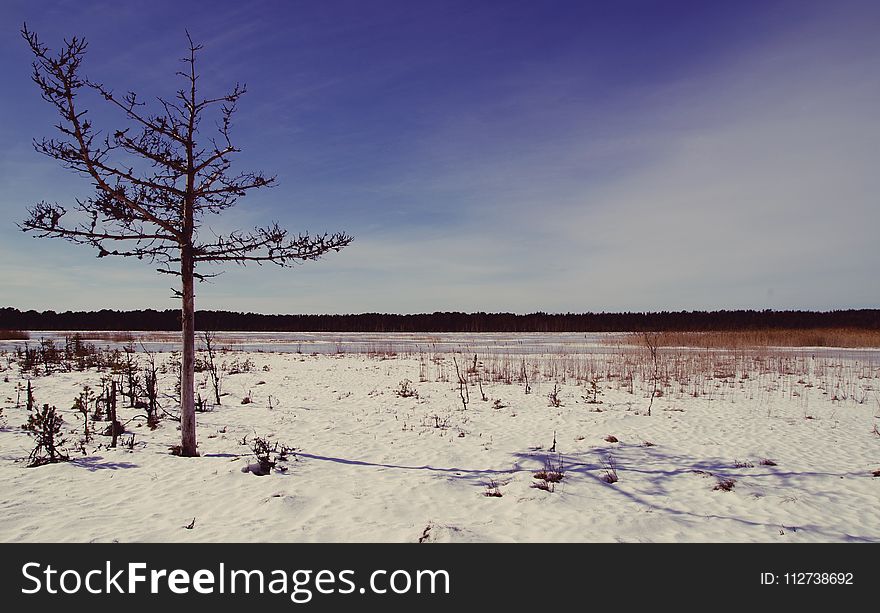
x,y
653,465
453,470
93,463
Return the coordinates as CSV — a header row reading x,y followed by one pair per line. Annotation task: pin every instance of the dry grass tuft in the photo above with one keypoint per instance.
x,y
550,475
610,476
725,484
492,490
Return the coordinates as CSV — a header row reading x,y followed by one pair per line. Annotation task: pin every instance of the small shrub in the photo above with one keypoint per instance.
x,y
767,462
492,490
611,439
497,404
592,395
131,375
44,425
114,428
551,474
742,464
80,446
553,397
263,453
268,456
30,402
151,392
237,367
202,405
247,399
406,390
725,484
81,405
610,466
435,421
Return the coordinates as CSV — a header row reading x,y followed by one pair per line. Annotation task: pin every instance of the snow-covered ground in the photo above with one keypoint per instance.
x,y
372,465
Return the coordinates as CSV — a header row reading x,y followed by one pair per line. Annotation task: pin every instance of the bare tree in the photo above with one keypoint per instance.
x,y
651,344
155,182
213,370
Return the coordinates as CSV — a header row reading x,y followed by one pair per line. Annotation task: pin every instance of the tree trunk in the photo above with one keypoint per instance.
x,y
187,367
111,414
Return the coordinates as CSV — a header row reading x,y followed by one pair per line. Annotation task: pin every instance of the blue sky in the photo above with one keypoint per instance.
x,y
492,156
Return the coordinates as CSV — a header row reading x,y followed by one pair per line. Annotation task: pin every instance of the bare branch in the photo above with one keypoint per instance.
x,y
272,245
45,221
59,82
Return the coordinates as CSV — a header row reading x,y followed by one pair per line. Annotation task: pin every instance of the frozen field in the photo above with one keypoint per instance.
x,y
348,342
791,435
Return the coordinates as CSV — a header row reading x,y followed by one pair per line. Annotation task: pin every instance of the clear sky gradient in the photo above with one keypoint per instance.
x,y
492,156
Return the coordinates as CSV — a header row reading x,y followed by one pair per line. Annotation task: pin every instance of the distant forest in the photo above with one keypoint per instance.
x,y
149,319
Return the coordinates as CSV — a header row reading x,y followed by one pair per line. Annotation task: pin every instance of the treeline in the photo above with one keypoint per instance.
x,y
149,319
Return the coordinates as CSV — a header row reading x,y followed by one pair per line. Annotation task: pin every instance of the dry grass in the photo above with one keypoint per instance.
x,y
122,336
553,472
492,490
757,374
743,339
610,475
112,336
725,484
14,335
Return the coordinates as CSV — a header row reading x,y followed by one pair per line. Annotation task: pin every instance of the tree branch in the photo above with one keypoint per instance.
x,y
271,244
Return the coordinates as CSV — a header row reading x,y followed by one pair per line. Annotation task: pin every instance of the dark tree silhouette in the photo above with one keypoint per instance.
x,y
155,182
15,321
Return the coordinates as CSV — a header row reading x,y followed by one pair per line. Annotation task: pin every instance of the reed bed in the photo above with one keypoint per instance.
x,y
14,335
713,374
739,339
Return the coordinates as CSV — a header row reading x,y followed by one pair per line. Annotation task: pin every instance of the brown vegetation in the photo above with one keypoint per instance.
x,y
14,335
773,337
